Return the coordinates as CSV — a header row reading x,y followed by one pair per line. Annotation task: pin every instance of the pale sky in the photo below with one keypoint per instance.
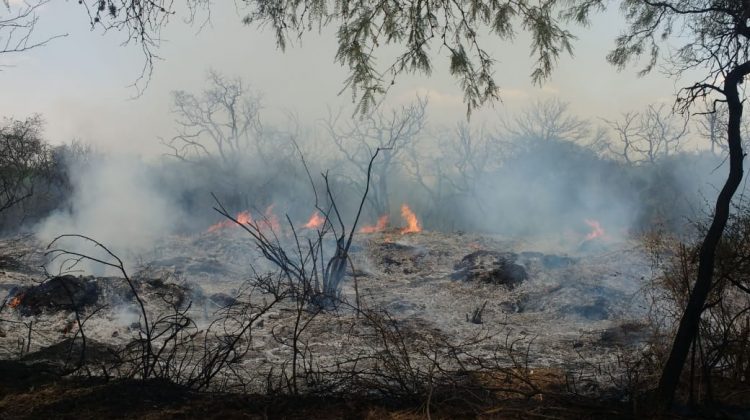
x,y
80,84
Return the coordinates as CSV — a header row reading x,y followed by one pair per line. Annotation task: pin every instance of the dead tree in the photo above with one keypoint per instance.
x,y
712,126
547,120
646,137
223,122
220,134
448,169
391,133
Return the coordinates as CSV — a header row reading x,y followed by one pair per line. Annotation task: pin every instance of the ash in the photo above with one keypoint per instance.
x,y
570,307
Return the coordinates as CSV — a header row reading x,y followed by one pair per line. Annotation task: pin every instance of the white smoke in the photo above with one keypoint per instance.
x,y
116,203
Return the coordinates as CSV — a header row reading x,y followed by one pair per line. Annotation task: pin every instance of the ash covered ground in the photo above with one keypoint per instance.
x,y
567,306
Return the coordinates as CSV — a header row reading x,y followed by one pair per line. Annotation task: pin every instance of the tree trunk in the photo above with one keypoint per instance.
x,y
689,324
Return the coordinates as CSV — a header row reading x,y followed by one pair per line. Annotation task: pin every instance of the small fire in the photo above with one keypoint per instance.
x,y
378,227
596,229
15,301
412,223
316,221
243,217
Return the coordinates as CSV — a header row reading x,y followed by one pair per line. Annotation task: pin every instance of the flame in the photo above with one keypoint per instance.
x,y
378,227
596,229
316,221
412,223
15,301
243,217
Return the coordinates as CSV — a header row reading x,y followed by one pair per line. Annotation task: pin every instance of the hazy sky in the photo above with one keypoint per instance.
x,y
80,83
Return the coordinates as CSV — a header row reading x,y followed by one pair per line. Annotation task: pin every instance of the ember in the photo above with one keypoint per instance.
x,y
15,301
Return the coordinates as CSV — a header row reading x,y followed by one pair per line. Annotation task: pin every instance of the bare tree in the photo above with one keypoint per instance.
x,y
448,169
222,121
219,132
648,136
358,139
547,120
712,125
628,131
17,25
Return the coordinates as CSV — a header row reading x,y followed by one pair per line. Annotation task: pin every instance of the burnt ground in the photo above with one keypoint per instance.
x,y
571,306
153,399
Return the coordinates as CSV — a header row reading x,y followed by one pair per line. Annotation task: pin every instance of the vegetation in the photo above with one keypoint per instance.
x,y
711,35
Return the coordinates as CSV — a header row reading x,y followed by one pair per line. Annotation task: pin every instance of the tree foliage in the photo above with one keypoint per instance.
x,y
141,22
24,157
710,36
455,28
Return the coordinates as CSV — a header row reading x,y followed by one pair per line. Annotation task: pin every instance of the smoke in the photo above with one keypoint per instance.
x,y
454,180
116,202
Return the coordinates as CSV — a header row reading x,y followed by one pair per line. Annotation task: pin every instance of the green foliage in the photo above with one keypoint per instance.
x,y
419,27
701,34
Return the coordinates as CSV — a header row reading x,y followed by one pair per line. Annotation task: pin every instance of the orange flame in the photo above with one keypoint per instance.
x,y
596,229
243,217
15,301
316,221
378,227
412,223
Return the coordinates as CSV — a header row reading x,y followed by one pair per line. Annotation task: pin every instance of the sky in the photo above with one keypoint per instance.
x,y
81,84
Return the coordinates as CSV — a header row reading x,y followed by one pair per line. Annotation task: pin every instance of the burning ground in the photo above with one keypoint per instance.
x,y
504,302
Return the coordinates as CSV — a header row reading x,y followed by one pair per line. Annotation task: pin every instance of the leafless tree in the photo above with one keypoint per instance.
x,y
712,125
358,139
223,121
449,168
220,133
17,25
648,136
547,120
